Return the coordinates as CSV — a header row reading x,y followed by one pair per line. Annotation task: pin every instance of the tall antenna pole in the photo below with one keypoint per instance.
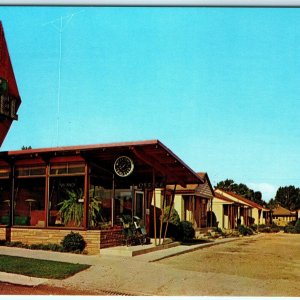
x,y
59,77
60,30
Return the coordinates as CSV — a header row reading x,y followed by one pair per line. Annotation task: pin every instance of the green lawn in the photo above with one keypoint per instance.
x,y
38,267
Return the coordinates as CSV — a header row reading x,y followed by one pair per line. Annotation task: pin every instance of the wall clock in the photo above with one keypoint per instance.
x,y
123,166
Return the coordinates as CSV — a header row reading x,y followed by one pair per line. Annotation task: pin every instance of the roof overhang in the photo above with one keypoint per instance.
x,y
151,158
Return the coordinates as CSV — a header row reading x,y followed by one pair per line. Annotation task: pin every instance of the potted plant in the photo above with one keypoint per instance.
x,y
71,209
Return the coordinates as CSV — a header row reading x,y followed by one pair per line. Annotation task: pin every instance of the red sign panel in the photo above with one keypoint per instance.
x,y
9,94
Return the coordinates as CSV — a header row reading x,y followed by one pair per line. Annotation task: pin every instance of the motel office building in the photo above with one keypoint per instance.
x,y
47,193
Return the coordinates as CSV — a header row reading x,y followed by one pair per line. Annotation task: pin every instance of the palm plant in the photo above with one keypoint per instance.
x,y
95,211
71,210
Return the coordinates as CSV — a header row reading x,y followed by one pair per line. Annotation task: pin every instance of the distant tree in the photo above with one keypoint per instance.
x,y
26,147
288,197
241,189
226,185
272,203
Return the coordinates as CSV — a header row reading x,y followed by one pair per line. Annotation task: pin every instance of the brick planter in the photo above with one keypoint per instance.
x,y
111,238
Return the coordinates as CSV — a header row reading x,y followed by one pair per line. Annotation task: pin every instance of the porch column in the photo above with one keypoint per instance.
x,y
162,213
211,215
86,196
113,201
193,209
171,207
12,200
154,204
46,212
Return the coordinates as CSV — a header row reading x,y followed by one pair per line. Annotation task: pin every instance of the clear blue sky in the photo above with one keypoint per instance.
x,y
219,86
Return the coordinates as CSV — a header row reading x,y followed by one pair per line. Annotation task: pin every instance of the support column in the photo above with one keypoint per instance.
x,y
162,213
113,201
12,200
86,196
171,207
154,204
46,212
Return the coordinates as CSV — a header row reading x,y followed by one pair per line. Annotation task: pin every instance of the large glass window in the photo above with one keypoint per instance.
x,y
66,201
29,206
100,206
5,196
123,204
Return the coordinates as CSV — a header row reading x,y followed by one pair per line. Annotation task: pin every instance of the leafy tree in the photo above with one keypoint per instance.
x,y
288,197
241,189
26,148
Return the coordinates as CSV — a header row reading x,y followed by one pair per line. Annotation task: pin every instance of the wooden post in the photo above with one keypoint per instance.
x,y
154,211
193,209
46,212
113,201
211,215
171,207
162,213
12,200
86,196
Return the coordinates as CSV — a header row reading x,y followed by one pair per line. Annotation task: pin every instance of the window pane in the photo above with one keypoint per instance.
x,y
100,207
30,171
5,196
29,207
66,201
67,168
4,172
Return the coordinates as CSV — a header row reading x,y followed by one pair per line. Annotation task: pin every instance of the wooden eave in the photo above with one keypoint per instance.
x,y
149,157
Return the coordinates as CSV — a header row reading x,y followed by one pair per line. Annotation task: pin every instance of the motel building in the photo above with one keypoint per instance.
x,y
47,193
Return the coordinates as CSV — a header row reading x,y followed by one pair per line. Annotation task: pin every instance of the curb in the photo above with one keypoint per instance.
x,y
21,279
207,245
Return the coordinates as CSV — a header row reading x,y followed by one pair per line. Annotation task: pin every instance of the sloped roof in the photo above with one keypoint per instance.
x,y
203,189
148,156
222,197
281,211
251,203
240,198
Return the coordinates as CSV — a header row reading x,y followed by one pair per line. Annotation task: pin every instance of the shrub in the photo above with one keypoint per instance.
x,y
73,242
297,226
254,227
55,247
245,230
275,228
289,229
265,229
174,217
15,244
186,231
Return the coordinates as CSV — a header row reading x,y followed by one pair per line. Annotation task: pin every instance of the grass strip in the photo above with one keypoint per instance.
x,y
39,267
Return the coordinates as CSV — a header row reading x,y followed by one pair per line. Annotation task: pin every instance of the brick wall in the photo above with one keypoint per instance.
x,y
2,233
44,236
95,239
111,238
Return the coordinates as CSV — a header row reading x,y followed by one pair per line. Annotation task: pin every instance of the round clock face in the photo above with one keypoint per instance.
x,y
123,166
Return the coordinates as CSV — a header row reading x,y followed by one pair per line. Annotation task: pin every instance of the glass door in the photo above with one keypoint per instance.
x,y
139,209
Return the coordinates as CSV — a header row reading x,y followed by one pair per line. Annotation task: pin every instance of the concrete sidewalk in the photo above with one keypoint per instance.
x,y
93,260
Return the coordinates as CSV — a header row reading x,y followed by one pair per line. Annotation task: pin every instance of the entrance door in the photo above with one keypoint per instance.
x,y
139,209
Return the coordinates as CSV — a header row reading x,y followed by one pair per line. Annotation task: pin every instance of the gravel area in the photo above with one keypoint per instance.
x,y
262,265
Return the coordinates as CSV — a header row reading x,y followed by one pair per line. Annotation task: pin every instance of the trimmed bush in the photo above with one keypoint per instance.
x,y
297,226
73,242
243,230
289,229
186,231
174,217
